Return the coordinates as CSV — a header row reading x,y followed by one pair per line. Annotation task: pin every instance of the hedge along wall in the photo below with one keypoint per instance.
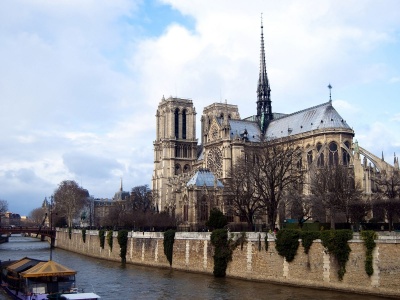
x,y
194,252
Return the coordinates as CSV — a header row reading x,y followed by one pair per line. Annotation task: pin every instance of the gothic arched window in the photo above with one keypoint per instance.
x,y
299,158
185,212
185,151
203,209
184,124
177,123
309,157
186,168
320,161
333,154
178,151
178,169
345,154
185,209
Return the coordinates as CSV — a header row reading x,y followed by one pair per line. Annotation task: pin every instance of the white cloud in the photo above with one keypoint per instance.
x,y
378,137
80,84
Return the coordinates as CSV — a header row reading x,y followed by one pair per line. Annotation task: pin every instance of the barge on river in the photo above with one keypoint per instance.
x,y
32,279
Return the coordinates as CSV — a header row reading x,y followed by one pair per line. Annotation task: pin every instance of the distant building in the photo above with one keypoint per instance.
x,y
102,206
10,219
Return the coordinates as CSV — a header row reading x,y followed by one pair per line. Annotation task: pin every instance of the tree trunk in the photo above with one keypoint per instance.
x,y
332,214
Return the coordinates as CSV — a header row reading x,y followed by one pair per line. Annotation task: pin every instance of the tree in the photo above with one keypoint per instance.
x,y
357,211
387,195
37,215
3,208
163,221
276,169
69,199
141,198
334,185
302,207
242,196
136,211
217,220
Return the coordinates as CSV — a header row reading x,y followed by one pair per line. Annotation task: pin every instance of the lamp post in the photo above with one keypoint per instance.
x,y
51,226
51,212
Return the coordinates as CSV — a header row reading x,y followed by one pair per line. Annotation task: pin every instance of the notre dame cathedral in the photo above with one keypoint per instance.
x,y
188,177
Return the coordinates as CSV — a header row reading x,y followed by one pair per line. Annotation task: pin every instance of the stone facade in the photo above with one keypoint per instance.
x,y
193,252
321,135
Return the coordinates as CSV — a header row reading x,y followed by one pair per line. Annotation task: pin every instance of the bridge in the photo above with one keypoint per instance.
x,y
32,231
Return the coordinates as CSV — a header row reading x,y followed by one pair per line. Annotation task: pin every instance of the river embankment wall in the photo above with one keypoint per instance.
x,y
193,252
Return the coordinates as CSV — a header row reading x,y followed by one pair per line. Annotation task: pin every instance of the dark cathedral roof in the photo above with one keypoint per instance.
x,y
240,127
323,116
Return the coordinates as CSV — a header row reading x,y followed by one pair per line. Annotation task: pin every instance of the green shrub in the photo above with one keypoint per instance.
x,y
222,251
169,238
266,242
307,239
110,239
336,242
123,242
217,219
287,243
84,235
369,237
102,238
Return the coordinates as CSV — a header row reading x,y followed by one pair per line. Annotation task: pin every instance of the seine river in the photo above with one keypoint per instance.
x,y
113,281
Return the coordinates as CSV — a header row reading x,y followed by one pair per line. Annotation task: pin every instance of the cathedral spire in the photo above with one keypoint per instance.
x,y
121,189
264,109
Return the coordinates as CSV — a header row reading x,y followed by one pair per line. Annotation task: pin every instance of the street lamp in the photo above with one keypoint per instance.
x,y
51,226
51,212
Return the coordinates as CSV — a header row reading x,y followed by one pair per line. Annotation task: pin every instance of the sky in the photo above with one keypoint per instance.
x,y
80,80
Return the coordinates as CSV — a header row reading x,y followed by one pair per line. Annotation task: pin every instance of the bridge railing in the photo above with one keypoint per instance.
x,y
23,229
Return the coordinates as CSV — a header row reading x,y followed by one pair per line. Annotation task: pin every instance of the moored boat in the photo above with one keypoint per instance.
x,y
32,279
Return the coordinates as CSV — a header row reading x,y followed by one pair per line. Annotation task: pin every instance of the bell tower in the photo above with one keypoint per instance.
x,y
175,147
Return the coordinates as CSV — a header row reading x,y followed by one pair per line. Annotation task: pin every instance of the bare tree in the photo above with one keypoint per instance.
x,y
37,215
276,169
3,208
357,211
141,198
302,207
117,215
335,187
69,199
242,196
387,195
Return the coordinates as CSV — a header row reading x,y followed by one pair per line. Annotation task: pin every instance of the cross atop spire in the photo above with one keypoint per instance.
x,y
330,89
264,109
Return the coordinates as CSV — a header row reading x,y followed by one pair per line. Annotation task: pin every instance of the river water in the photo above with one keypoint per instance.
x,y
113,281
